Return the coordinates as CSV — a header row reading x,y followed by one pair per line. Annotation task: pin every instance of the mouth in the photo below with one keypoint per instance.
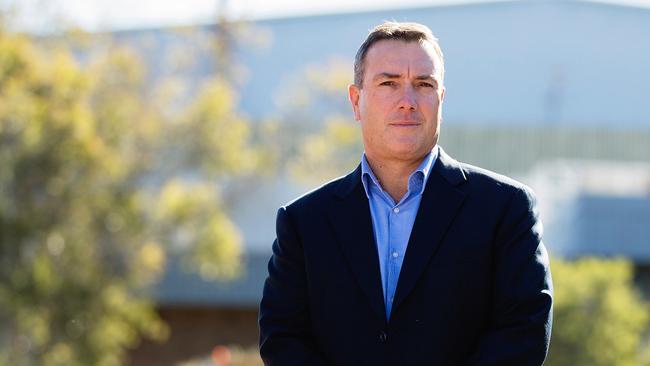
x,y
405,124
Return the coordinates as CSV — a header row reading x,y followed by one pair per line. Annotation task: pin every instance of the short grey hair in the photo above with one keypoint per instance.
x,y
407,32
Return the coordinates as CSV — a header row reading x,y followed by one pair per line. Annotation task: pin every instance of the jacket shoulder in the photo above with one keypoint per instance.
x,y
317,197
485,179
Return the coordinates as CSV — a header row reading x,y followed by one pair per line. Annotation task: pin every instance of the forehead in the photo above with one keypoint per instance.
x,y
398,56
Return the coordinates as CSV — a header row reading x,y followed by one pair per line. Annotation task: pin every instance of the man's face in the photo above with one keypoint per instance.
x,y
399,104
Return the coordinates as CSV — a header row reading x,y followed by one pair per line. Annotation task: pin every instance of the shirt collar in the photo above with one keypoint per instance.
x,y
424,170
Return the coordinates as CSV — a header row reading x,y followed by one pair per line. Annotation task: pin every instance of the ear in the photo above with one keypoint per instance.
x,y
442,98
353,95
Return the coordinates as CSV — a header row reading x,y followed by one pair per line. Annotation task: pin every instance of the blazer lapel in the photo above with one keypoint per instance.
x,y
350,217
440,202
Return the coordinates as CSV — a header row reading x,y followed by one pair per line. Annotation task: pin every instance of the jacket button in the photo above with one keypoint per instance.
x,y
383,336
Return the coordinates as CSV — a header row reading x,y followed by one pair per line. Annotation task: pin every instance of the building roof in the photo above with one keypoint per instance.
x,y
611,226
599,208
530,62
180,288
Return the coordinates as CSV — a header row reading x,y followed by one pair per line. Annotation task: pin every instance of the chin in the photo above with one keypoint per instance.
x,y
408,153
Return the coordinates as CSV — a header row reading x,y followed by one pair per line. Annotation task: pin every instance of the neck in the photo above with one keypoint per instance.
x,y
393,175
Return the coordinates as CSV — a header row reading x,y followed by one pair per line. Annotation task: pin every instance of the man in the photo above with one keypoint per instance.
x,y
413,258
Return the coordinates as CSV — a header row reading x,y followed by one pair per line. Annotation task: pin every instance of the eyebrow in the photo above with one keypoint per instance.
x,y
388,75
426,77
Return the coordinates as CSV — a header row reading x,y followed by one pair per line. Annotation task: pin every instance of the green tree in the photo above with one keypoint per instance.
x,y
98,182
331,152
318,137
599,316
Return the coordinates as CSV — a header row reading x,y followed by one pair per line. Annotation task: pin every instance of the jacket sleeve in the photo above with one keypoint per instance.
x,y
286,336
520,327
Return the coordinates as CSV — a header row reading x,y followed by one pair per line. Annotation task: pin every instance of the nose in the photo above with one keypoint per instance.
x,y
407,100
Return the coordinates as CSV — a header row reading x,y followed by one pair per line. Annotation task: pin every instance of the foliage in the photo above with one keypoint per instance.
x,y
599,317
319,138
98,182
333,151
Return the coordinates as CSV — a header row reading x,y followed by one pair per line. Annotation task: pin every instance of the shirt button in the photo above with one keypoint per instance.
x,y
395,254
383,336
396,210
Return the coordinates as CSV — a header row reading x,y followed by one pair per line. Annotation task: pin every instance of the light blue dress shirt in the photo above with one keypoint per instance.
x,y
392,223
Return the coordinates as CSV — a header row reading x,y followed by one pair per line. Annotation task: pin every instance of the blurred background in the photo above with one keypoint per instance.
x,y
146,146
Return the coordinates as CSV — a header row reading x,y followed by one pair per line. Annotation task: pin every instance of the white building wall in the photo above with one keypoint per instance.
x,y
511,62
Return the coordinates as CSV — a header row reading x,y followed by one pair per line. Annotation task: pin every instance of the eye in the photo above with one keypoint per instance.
x,y
426,84
388,83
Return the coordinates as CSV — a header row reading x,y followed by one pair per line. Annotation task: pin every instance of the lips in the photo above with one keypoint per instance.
x,y
405,124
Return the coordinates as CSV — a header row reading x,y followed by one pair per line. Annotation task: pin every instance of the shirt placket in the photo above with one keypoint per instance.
x,y
393,252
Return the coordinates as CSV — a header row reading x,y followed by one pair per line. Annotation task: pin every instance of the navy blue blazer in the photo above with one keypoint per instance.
x,y
474,289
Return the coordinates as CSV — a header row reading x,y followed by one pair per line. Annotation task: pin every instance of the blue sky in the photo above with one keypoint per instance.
x,y
93,15
125,14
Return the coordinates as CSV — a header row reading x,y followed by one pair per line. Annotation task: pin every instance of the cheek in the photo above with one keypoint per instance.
x,y
372,110
432,107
